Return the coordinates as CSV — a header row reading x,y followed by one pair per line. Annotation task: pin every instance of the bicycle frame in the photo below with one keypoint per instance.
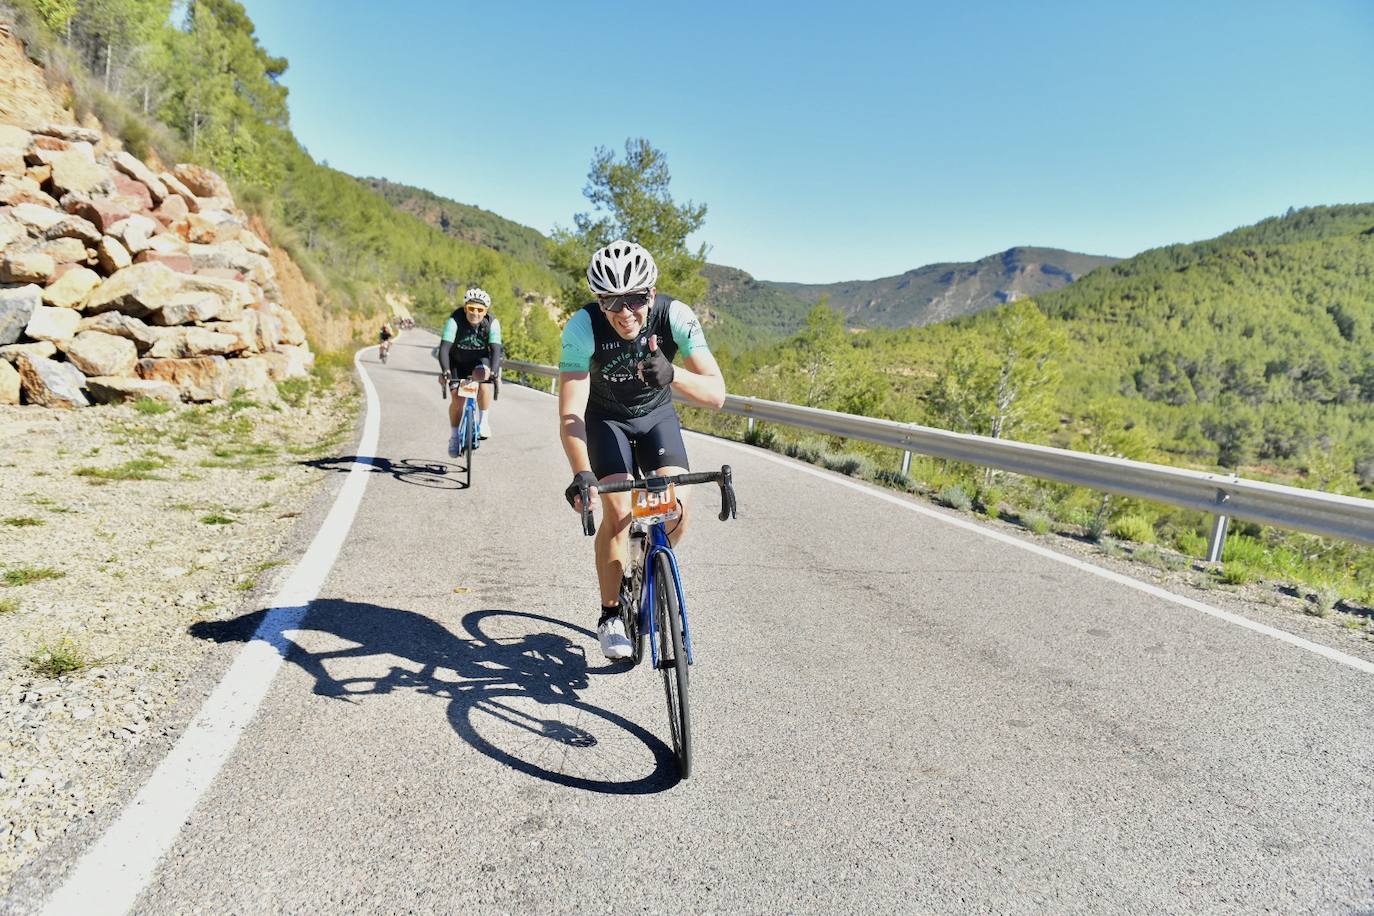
x,y
658,544
469,419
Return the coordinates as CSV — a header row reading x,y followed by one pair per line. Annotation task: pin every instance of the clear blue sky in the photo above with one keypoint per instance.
x,y
837,141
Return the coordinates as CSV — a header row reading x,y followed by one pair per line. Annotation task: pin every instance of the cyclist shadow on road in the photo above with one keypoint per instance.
x,y
511,678
426,472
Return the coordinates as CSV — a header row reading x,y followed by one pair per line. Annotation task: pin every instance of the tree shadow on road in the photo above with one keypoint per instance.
x,y
511,678
427,472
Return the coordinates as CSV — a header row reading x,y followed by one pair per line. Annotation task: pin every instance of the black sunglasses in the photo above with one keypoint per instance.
x,y
632,301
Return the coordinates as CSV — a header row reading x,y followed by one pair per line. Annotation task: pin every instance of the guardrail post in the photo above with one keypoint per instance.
x,y
1217,542
553,384
906,463
751,425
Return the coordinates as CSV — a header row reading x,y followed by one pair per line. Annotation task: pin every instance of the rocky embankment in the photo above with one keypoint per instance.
x,y
120,281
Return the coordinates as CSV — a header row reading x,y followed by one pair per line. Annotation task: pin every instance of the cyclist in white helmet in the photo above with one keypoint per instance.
x,y
615,389
471,348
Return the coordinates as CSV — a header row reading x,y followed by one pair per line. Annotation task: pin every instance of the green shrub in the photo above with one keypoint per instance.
x,y
1036,522
1237,572
8,605
294,390
1190,543
150,406
57,659
953,495
988,501
23,521
761,436
847,464
217,518
1245,549
895,479
808,450
1136,528
25,575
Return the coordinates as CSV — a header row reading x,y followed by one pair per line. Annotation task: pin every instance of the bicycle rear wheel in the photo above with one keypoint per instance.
x,y
672,661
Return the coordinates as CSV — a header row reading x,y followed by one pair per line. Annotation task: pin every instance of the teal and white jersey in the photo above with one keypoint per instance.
x,y
591,344
463,336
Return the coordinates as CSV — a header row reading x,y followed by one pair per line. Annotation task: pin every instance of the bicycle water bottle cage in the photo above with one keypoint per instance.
x,y
657,504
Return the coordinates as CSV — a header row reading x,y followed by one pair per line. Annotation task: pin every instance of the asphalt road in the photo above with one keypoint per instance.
x,y
891,715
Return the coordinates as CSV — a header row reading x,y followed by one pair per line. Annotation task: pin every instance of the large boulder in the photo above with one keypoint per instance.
x,y
187,307
17,137
135,169
74,170
200,378
37,218
9,383
16,308
70,132
135,232
49,383
204,299
11,230
137,290
178,343
181,263
39,348
241,329
172,209
70,290
64,250
132,192
112,255
102,212
292,333
121,325
76,227
15,190
26,267
251,374
266,329
249,239
56,325
12,161
289,362
201,181
117,389
95,353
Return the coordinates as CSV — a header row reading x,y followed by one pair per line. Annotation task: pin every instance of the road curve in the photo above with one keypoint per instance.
x,y
891,715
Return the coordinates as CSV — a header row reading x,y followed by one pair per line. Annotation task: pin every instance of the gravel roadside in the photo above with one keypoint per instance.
x,y
119,529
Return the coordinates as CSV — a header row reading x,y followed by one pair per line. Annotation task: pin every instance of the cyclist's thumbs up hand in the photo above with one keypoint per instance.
x,y
657,369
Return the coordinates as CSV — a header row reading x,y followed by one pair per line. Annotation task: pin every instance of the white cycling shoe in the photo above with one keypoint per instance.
x,y
484,428
615,644
455,444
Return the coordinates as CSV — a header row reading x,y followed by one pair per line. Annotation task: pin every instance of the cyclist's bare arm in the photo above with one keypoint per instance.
x,y
572,407
700,381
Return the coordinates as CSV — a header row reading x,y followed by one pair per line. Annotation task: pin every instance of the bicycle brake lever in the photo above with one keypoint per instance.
x,y
727,493
588,522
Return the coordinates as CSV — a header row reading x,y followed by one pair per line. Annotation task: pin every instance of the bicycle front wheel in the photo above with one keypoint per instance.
x,y
469,435
672,661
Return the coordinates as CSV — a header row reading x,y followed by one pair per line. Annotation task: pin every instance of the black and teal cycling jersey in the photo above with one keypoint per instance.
x,y
591,344
464,344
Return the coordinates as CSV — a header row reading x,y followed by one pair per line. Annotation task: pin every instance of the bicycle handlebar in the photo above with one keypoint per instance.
x,y
724,477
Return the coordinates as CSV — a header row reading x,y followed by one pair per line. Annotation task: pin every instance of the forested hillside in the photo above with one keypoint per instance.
x,y
190,82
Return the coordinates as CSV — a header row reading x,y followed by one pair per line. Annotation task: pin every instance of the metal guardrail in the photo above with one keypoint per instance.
x,y
1224,496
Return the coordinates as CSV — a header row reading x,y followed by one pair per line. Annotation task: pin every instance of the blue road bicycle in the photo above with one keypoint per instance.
x,y
653,603
467,426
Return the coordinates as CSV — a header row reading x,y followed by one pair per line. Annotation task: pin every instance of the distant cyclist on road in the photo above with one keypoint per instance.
x,y
471,349
384,337
616,383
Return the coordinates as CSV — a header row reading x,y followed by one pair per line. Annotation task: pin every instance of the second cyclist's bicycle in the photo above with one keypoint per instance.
x,y
467,426
653,603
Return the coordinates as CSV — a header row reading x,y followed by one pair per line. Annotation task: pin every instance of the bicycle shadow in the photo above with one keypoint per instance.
x,y
512,697
427,472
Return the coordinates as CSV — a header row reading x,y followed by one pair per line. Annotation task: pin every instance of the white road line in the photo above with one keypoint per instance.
x,y
112,873
1327,652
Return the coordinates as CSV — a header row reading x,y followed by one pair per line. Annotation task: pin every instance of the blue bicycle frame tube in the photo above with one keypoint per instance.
x,y
658,543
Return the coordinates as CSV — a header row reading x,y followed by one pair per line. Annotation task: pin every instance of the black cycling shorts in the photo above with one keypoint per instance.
x,y
466,368
651,442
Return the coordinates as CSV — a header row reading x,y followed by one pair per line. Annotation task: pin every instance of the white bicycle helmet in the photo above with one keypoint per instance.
x,y
477,294
621,267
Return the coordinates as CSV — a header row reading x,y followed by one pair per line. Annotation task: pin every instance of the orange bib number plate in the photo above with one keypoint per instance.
x,y
468,391
647,504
